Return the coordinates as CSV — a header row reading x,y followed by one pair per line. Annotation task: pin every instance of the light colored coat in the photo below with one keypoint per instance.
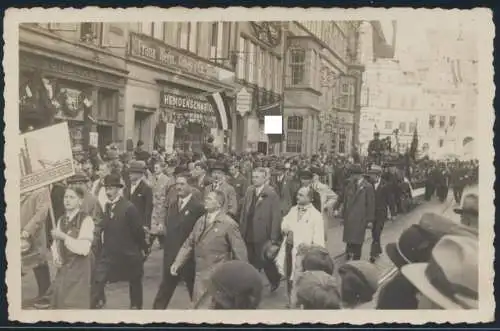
x,y
308,230
34,211
231,198
159,185
213,244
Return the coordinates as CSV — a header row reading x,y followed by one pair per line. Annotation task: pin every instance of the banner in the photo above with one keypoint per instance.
x,y
169,137
42,161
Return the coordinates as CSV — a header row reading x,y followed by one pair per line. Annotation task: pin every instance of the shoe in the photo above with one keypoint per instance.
x,y
275,286
42,303
372,259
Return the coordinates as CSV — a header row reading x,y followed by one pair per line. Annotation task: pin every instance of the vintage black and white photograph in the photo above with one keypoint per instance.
x,y
265,161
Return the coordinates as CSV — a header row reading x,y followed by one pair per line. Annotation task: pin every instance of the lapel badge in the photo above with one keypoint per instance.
x,y
187,212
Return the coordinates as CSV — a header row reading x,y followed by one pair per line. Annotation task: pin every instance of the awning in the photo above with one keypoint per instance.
x,y
220,103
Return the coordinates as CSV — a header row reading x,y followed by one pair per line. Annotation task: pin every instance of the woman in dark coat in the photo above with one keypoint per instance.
x,y
72,254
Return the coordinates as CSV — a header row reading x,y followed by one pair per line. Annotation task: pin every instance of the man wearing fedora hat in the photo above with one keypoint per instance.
x,y
141,194
415,245
124,246
469,212
450,279
219,173
358,211
381,206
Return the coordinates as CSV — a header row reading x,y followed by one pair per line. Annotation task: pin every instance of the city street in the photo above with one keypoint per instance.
x,y
117,294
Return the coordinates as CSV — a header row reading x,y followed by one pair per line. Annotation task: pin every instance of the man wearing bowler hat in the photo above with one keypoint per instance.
x,y
124,246
219,172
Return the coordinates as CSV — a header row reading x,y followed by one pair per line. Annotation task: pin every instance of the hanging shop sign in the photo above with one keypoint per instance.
x,y
174,101
146,48
243,101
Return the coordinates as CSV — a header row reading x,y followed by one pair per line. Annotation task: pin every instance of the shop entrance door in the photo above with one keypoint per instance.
x,y
262,147
190,137
104,138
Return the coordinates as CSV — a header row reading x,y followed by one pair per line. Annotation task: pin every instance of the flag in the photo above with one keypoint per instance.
x,y
414,145
220,103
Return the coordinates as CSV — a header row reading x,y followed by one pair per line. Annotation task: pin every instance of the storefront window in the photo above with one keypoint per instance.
x,y
294,134
297,66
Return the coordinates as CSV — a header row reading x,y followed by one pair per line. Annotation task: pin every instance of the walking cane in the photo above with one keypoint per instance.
x,y
288,269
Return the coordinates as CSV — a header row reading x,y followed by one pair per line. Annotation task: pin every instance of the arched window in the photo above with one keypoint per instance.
x,y
295,125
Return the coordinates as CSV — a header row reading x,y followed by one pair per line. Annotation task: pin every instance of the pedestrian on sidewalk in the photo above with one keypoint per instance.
x,y
72,255
215,239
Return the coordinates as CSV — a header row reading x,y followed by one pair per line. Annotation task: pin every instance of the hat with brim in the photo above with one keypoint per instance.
x,y
113,180
219,166
451,277
469,211
415,273
306,174
78,177
137,166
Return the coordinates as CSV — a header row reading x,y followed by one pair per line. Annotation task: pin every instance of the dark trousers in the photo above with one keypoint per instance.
x,y
429,191
98,294
353,251
457,193
377,227
255,258
442,192
42,277
168,286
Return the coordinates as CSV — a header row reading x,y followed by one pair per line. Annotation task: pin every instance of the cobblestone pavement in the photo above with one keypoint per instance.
x,y
117,294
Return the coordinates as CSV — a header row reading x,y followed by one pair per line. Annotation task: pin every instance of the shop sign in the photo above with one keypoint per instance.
x,y
169,137
147,48
94,139
170,100
243,101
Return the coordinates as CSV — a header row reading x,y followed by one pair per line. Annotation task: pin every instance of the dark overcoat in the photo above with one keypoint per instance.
x,y
266,221
178,226
124,244
359,210
142,198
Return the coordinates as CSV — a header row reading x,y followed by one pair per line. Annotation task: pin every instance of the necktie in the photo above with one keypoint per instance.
x,y
180,204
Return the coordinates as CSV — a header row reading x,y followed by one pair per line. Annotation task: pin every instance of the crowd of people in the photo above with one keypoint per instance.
x,y
221,218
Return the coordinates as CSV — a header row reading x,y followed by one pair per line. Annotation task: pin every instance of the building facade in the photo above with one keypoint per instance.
x,y
431,88
145,81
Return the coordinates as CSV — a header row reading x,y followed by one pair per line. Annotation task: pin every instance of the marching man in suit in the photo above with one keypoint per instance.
x,y
141,194
381,207
359,210
285,186
260,225
124,246
215,239
239,182
219,173
181,216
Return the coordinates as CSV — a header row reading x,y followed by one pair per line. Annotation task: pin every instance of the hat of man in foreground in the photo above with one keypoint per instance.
x,y
451,278
236,285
